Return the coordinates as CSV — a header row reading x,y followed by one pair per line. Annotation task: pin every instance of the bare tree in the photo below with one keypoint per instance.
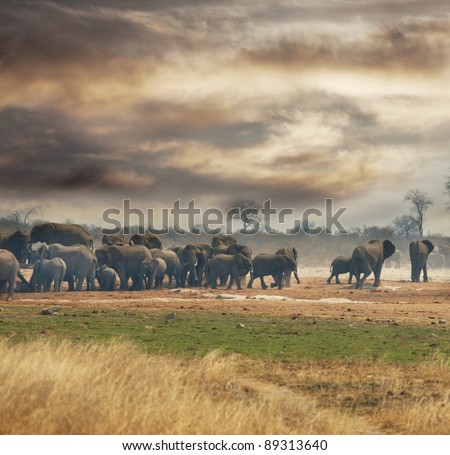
x,y
24,219
405,225
420,202
249,213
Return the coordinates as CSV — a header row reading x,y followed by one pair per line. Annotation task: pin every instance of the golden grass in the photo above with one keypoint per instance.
x,y
62,388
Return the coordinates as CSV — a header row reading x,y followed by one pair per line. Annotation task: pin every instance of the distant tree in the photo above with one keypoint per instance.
x,y
405,225
420,201
447,189
23,220
377,232
249,213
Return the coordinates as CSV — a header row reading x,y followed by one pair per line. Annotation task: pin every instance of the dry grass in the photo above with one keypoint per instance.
x,y
61,388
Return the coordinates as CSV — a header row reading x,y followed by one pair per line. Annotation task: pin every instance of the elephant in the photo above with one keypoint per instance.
x,y
396,258
49,271
80,263
148,240
107,278
341,265
271,264
115,239
64,234
193,258
9,270
224,265
445,251
17,243
436,260
368,258
152,271
173,266
125,260
291,252
418,253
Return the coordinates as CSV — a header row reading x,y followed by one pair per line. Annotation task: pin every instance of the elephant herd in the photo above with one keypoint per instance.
x,y
66,253
369,257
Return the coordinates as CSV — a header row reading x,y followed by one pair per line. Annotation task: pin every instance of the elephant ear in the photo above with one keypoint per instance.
x,y
240,260
429,245
388,249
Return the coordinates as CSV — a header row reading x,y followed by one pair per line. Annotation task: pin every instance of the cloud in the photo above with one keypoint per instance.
x,y
417,45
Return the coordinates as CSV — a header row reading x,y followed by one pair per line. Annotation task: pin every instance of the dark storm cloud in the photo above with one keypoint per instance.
x,y
44,149
44,33
417,45
207,123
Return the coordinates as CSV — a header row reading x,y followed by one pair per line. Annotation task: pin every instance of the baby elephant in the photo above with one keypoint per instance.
x,y
107,278
48,271
342,264
152,271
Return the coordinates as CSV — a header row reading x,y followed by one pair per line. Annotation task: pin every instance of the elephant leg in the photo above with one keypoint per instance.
x,y
263,285
377,274
425,273
330,278
337,279
280,280
250,283
350,278
10,289
80,281
123,280
70,281
414,274
287,277
213,281
236,278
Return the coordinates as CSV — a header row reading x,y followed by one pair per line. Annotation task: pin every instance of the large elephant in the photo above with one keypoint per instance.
x,y
49,271
368,258
125,260
271,264
223,265
418,253
291,252
148,240
341,265
193,258
436,260
445,251
17,243
64,234
9,271
80,264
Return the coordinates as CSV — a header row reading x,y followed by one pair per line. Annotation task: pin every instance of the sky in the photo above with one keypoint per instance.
x,y
295,101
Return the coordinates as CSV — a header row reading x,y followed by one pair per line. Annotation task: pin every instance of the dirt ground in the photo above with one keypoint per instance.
x,y
397,300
